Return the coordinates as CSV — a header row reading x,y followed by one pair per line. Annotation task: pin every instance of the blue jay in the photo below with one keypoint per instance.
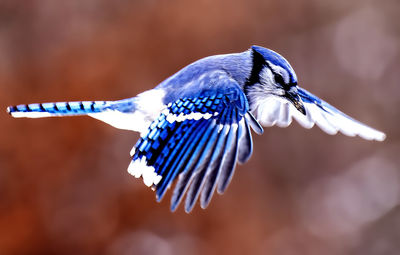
x,y
195,125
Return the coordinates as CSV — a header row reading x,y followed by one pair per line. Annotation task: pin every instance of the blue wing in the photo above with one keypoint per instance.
x,y
276,111
197,139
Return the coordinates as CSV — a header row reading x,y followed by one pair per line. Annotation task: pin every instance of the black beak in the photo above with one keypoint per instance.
x,y
294,98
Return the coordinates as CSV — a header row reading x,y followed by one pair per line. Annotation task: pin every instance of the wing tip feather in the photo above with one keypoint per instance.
x,y
375,136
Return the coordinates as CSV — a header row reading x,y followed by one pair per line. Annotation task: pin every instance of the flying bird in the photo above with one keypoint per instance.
x,y
195,125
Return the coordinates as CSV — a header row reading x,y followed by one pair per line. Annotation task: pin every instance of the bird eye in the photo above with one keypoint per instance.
x,y
279,79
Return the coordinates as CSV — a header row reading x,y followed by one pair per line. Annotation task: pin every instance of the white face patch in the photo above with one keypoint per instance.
x,y
268,85
281,71
266,76
139,168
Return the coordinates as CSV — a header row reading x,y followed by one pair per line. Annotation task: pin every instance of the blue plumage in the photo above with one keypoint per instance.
x,y
189,136
195,125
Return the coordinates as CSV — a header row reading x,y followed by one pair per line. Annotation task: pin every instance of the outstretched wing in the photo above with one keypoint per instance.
x,y
197,139
276,111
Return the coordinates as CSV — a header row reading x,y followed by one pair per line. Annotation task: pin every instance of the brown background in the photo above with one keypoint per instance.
x,y
64,188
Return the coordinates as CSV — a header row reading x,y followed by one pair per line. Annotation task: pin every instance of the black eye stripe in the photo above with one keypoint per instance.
x,y
279,79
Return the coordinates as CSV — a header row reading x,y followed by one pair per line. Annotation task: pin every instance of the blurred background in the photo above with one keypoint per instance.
x,y
64,188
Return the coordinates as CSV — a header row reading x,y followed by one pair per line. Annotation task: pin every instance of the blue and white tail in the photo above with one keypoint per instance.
x,y
135,113
57,109
122,114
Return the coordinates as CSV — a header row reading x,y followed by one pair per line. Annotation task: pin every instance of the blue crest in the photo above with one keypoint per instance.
x,y
277,60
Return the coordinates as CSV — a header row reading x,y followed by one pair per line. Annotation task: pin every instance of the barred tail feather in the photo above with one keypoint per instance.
x,y
56,109
120,114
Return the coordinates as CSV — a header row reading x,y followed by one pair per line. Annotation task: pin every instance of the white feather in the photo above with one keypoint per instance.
x,y
285,117
191,116
149,105
268,111
277,111
31,114
140,168
316,115
136,121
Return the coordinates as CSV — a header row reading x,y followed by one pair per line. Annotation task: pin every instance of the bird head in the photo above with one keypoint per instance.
x,y
272,75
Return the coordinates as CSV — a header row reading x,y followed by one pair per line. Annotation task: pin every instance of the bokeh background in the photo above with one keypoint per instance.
x,y
64,188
